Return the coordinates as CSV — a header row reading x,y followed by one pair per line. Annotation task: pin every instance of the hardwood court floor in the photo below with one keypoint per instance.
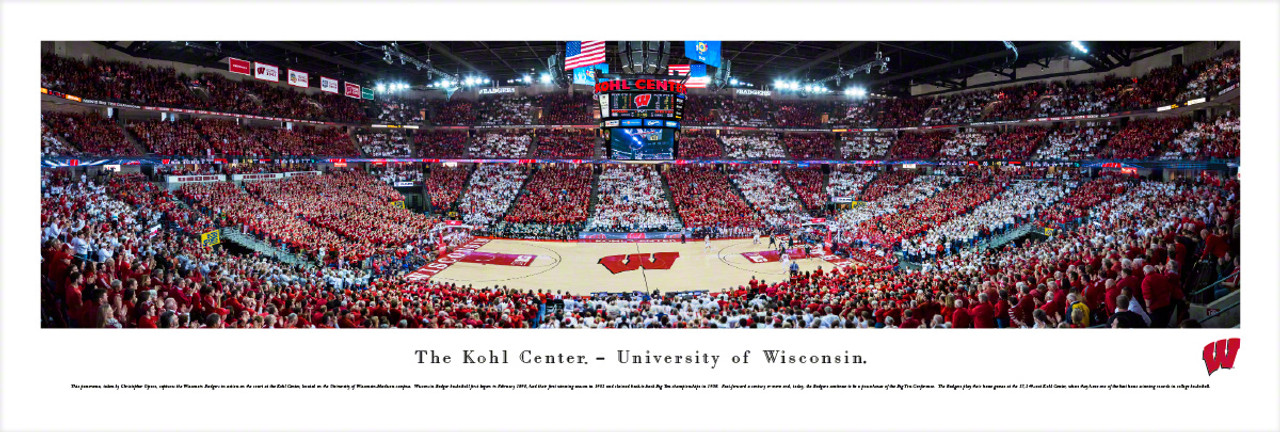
x,y
575,267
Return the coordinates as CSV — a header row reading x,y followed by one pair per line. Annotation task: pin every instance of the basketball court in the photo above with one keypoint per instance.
x,y
584,268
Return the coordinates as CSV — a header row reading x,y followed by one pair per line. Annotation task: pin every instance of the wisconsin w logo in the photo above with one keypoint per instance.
x,y
658,261
642,100
1221,354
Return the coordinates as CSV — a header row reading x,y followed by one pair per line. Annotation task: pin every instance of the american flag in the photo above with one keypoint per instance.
x,y
693,81
583,53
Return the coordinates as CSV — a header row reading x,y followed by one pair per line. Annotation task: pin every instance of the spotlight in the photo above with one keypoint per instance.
x,y
486,80
733,81
382,88
1079,46
546,78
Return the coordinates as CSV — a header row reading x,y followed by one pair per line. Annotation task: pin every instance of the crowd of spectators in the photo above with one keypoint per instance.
x,y
631,199
865,146
276,100
566,109
354,204
556,194
916,188
445,185
958,108
441,143
1155,88
900,112
847,181
887,182
1129,268
809,146
384,144
1074,143
566,143
453,112
86,133
500,145
305,141
1218,73
964,145
116,81
1217,139
50,143
1015,144
962,195
392,173
224,137
172,138
230,206
1083,198
504,110
1222,139
490,192
400,111
1018,203
788,114
745,111
705,199
767,191
696,144
1015,102
809,185
1144,137
697,110
753,146
911,145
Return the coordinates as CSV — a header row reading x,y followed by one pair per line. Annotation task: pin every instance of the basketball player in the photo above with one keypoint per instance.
x,y
772,240
755,240
706,243
785,260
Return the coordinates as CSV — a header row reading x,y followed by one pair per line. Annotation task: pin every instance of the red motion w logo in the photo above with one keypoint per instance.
x,y
642,100
1221,354
658,261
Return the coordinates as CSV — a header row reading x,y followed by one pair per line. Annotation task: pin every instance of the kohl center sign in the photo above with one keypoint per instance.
x,y
641,84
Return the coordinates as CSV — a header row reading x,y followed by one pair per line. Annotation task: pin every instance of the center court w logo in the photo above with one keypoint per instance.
x,y
1221,354
658,261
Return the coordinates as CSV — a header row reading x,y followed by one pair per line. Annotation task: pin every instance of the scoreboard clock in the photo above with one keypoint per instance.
x,y
641,116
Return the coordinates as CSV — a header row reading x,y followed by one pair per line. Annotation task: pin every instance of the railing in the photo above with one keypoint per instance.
x,y
1220,313
1199,295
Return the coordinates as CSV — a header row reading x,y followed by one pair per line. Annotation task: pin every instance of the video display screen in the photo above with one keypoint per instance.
x,y
642,105
642,143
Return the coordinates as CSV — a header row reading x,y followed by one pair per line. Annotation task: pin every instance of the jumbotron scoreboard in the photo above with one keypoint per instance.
x,y
641,116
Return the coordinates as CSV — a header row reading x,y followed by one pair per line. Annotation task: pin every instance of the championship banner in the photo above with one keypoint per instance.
x,y
352,90
241,67
298,79
328,84
704,51
266,72
211,238
587,75
366,93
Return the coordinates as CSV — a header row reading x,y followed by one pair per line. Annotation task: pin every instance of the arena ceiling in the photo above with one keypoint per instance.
x,y
944,64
